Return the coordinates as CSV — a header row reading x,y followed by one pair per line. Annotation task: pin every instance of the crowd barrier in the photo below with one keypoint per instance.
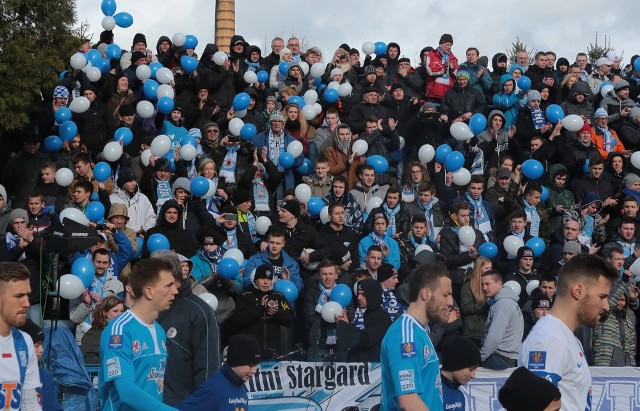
x,y
308,386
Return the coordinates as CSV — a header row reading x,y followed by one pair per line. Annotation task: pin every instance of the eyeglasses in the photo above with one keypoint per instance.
x,y
213,130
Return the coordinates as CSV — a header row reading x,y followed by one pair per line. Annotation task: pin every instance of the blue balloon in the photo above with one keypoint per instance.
x,y
341,294
297,100
454,161
544,195
140,242
442,152
537,245
554,113
53,144
396,156
102,172
477,123
165,104
241,101
68,130
104,65
189,64
154,68
288,289
380,48
123,20
108,7
283,68
286,160
94,197
315,205
532,169
123,134
317,81
94,211
636,65
248,131
63,74
188,140
605,83
379,163
85,270
157,242
321,86
228,268
263,76
63,114
488,250
306,168
199,186
330,95
113,51
93,55
191,41
150,89
524,83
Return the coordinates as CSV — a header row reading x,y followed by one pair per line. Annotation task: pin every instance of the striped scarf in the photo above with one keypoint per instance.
x,y
532,217
391,213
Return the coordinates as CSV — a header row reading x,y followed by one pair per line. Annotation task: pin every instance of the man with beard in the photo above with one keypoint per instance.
x,y
551,350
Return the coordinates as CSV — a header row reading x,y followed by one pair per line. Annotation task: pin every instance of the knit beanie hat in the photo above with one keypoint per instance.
x,y
524,251
459,353
263,271
241,196
630,179
446,38
525,391
601,112
340,255
139,38
292,207
534,95
463,73
124,176
18,213
137,55
539,300
243,350
277,116
33,330
386,271
369,70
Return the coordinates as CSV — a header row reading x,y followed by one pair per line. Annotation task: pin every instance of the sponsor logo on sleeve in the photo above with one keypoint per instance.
x,y
113,367
537,360
408,350
115,341
407,380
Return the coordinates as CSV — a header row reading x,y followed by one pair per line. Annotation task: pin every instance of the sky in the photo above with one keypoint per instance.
x,y
564,26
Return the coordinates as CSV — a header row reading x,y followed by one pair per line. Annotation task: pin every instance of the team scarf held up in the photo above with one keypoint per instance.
x,y
228,167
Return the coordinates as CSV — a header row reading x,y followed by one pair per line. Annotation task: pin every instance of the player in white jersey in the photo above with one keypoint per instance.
x,y
551,350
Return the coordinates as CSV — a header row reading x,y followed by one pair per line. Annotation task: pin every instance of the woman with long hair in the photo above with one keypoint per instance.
x,y
342,160
473,304
207,169
105,311
297,126
416,174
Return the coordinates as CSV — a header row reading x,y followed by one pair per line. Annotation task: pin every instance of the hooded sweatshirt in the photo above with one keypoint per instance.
x,y
504,327
179,239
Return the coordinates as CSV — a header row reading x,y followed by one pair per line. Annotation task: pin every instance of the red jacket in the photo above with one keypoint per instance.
x,y
440,77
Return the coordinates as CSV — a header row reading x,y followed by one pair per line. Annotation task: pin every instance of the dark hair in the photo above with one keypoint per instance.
x,y
85,185
49,164
518,214
472,48
459,205
99,251
614,249
418,218
275,231
332,110
81,156
35,194
531,187
100,311
550,278
322,159
374,247
363,167
340,179
540,53
146,273
327,263
629,199
493,273
427,186
333,206
584,267
627,220
476,178
13,271
392,190
596,161
425,276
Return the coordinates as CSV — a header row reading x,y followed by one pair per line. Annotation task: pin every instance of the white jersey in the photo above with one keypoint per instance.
x,y
11,391
554,353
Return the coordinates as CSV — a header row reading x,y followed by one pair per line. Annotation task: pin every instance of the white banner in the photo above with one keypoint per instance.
x,y
308,386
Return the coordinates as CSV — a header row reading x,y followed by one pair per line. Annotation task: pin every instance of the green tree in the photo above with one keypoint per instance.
x,y
36,40
517,46
596,50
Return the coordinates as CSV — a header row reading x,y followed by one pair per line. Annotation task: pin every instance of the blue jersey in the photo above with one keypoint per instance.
x,y
131,348
409,365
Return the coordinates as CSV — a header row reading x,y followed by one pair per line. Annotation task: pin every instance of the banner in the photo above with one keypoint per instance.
x,y
314,386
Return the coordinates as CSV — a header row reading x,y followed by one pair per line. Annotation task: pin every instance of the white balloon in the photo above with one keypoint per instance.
x,y
334,85
303,193
422,247
262,225
329,311
532,285
426,153
402,142
310,266
635,267
64,177
236,254
360,147
108,23
102,48
211,191
188,152
324,215
75,215
514,285
309,112
635,160
78,61
94,74
467,235
235,125
512,244
165,90
178,39
70,286
345,89
143,72
374,202
145,109
219,57
144,157
164,75
310,97
460,131
160,145
240,114
318,108
461,177
250,77
209,298
317,70
606,89
79,104
368,48
87,67
572,122
112,151
295,149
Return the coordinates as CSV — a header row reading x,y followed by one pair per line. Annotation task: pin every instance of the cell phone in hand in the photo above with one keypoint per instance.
x,y
231,217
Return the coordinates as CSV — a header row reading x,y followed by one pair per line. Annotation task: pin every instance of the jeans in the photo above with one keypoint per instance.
x,y
498,362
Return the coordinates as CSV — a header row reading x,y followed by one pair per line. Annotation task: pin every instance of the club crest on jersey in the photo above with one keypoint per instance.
x,y
115,341
537,360
408,350
427,352
23,358
136,347
172,332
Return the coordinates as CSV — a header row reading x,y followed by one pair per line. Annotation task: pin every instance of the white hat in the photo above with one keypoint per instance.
x,y
336,71
603,61
613,56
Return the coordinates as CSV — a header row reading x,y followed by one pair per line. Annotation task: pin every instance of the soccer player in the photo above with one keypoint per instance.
x,y
410,366
133,346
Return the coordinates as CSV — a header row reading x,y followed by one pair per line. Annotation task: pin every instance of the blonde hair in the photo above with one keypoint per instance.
x,y
475,280
306,130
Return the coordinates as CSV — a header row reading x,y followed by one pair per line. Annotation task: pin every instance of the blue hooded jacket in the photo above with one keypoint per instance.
x,y
509,103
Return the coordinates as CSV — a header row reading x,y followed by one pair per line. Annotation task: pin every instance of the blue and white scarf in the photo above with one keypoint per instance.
x,y
480,216
163,193
392,305
228,167
275,144
391,214
12,242
325,296
232,240
537,116
426,208
587,230
627,248
423,240
608,140
532,217
445,77
378,239
358,318
260,195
